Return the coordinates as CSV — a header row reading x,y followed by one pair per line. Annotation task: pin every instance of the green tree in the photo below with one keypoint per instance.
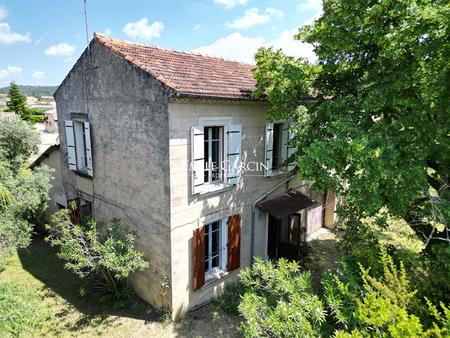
x,y
17,102
18,139
97,250
23,193
378,128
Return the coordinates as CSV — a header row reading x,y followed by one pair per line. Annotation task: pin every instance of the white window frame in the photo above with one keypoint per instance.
x,y
208,161
81,154
228,177
221,269
285,150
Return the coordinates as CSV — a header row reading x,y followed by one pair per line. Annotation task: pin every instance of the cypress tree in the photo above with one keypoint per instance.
x,y
17,102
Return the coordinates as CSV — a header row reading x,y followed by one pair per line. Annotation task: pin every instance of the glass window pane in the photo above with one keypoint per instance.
x,y
215,262
216,133
276,152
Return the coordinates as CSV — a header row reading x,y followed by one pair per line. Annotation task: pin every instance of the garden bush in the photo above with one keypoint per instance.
x,y
103,252
22,312
278,300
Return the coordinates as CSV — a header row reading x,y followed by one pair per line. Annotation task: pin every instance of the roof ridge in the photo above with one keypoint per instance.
x,y
107,37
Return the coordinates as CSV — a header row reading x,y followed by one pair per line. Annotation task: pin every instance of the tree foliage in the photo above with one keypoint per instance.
x,y
378,128
17,103
18,139
23,193
105,251
277,300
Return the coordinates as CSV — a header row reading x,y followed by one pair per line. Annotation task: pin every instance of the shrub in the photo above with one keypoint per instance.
x,y
279,301
22,312
230,298
107,252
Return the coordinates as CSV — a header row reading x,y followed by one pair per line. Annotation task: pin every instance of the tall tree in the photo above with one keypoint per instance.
x,y
378,129
17,102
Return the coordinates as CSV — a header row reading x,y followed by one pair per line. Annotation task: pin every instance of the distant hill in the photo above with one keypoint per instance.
x,y
33,90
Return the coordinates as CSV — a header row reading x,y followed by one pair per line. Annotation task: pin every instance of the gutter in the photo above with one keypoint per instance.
x,y
259,199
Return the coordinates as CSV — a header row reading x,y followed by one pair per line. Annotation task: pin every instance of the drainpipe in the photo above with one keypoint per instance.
x,y
259,199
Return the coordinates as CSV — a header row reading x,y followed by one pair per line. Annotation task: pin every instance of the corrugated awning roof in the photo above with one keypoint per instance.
x,y
286,204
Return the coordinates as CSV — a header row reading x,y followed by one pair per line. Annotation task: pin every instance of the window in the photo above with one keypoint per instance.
x,y
78,139
278,148
213,151
216,249
213,247
216,155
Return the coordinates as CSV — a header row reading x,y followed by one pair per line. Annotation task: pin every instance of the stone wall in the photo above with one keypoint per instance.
x,y
128,115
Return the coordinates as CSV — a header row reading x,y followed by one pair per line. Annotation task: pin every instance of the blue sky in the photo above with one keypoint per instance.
x,y
40,40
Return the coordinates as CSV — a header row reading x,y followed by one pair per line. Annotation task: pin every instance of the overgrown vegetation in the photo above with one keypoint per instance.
x,y
372,123
23,193
22,312
276,299
105,253
373,115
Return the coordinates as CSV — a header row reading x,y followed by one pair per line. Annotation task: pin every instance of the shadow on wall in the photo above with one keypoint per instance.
x,y
40,260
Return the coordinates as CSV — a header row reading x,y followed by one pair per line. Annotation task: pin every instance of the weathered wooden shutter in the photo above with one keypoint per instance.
x,y
268,149
234,134
70,141
198,159
88,148
234,242
224,243
74,210
198,255
292,148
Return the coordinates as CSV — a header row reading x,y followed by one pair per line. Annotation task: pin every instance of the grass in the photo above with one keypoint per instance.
x,y
38,270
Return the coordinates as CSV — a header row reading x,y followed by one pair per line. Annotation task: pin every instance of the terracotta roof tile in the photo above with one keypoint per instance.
x,y
187,73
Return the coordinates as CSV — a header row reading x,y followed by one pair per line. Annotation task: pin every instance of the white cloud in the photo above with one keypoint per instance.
x,y
142,30
9,74
231,3
3,12
241,48
233,47
38,75
60,49
276,13
310,6
251,18
107,31
197,27
7,37
293,47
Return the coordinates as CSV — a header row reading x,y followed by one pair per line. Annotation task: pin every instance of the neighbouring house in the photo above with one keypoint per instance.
x,y
48,153
57,199
171,143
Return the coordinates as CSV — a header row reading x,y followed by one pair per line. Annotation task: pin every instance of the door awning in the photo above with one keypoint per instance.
x,y
286,204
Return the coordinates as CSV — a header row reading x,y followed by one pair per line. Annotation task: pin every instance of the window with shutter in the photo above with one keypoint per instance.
x,y
79,146
278,148
216,155
210,248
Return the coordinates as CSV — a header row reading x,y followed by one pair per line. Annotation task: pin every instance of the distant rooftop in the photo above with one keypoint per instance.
x,y
188,74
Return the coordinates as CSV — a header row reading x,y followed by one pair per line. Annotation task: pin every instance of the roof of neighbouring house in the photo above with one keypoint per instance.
x,y
188,74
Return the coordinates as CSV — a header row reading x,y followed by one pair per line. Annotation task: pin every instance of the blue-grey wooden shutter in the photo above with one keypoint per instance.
x,y
70,142
198,159
88,148
234,134
268,149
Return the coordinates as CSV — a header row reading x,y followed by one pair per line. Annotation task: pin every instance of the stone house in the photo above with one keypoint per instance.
x,y
171,143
